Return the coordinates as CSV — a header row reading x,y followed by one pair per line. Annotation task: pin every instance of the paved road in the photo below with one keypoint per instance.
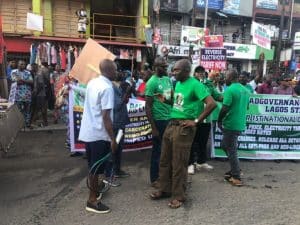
x,y
41,184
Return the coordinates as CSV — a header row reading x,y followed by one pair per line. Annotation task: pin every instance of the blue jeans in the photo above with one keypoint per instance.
x,y
156,149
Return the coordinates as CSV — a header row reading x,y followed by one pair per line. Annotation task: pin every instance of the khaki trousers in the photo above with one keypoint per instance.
x,y
175,153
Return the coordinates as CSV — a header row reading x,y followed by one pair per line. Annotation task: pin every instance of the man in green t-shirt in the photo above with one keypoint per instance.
x,y
232,121
159,93
179,134
198,156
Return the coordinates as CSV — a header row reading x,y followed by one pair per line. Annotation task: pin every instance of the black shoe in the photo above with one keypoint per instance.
x,y
97,208
76,154
103,187
121,174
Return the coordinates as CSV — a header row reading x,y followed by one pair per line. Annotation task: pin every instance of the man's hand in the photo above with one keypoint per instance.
x,y
188,123
114,146
155,133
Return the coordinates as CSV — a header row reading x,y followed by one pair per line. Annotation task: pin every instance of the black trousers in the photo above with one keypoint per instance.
x,y
198,149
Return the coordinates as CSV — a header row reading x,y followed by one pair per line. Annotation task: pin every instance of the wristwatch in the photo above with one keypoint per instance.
x,y
196,121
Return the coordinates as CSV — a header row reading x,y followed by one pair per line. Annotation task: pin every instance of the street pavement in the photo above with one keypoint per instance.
x,y
41,184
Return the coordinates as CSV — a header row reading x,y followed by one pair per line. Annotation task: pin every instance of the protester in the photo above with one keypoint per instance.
x,y
232,121
159,91
97,128
39,95
54,77
146,74
122,92
198,156
266,87
285,87
255,82
297,88
243,79
179,134
12,65
24,89
62,87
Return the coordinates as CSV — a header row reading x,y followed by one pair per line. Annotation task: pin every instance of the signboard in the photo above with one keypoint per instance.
x,y
138,134
213,41
212,4
192,36
267,4
34,22
173,50
297,38
240,51
273,129
213,58
87,64
261,35
232,7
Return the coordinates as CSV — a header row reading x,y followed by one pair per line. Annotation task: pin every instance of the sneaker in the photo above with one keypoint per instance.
x,y
103,187
113,182
121,174
191,169
97,208
99,196
203,166
235,181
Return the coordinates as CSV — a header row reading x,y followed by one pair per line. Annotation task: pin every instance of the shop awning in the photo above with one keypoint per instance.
x,y
79,40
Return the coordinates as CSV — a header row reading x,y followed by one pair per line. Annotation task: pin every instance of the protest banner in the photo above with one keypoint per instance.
x,y
213,41
213,58
273,129
261,35
76,103
86,65
137,135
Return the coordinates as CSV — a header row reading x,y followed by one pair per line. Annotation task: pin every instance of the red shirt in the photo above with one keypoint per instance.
x,y
141,90
264,89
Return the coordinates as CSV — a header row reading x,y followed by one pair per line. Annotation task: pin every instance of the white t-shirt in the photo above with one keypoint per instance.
x,y
253,84
99,96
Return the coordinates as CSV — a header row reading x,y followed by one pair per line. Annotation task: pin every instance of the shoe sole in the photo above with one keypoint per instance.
x,y
124,176
96,211
99,197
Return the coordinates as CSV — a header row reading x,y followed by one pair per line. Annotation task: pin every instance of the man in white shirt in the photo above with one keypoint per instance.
x,y
97,130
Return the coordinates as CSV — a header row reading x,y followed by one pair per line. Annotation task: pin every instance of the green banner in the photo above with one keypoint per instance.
x,y
273,129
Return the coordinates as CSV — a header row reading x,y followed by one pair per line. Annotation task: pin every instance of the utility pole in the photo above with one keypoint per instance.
x,y
278,49
194,13
205,14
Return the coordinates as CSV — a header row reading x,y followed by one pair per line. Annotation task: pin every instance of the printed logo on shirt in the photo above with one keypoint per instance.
x,y
179,101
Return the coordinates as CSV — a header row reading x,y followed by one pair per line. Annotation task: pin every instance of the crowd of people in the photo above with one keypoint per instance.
x,y
179,108
38,87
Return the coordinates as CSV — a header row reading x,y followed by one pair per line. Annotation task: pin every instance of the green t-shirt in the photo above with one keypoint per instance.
x,y
159,85
215,95
249,88
186,99
236,98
